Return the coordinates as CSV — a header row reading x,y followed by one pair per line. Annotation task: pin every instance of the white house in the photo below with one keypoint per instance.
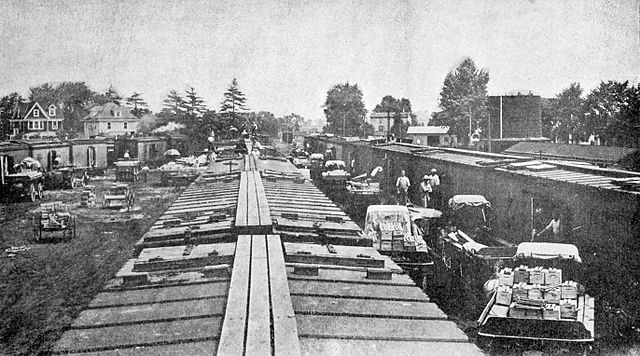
x,y
432,136
382,122
35,120
110,120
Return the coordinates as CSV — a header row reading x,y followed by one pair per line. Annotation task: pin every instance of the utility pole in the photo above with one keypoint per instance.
x,y
470,134
490,132
500,116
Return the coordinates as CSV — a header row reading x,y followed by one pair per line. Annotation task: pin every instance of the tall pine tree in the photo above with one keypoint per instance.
x,y
139,105
234,100
173,103
193,105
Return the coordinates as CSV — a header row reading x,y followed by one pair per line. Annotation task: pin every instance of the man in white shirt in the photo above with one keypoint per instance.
x,y
402,185
434,179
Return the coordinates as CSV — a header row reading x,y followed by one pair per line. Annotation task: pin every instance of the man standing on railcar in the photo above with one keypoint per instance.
x,y
402,185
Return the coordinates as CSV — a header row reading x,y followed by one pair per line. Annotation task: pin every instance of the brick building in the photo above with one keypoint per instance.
x,y
515,116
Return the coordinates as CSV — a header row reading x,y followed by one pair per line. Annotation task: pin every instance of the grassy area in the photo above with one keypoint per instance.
x,y
44,288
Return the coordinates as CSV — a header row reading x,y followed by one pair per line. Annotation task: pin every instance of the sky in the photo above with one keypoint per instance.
x,y
287,54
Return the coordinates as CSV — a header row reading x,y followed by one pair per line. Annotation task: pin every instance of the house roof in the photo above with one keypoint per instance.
x,y
108,112
428,130
589,153
21,110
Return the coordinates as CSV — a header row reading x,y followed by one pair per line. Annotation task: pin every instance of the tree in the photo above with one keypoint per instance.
x,y
140,107
113,95
562,115
45,93
463,100
267,123
193,105
7,104
292,121
173,102
234,100
344,110
606,113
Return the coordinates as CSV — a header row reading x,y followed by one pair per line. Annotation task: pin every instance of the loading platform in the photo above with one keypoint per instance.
x,y
256,260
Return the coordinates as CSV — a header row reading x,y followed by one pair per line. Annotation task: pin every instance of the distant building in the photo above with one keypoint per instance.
x,y
382,122
515,116
110,120
432,136
35,119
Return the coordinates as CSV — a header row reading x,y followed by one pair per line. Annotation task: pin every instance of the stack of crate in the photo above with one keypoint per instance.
x,y
535,293
88,196
391,236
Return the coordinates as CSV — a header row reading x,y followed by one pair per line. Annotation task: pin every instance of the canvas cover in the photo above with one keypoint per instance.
x,y
548,250
377,214
460,201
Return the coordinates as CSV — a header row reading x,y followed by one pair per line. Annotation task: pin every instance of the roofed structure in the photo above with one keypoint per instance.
x,y
601,155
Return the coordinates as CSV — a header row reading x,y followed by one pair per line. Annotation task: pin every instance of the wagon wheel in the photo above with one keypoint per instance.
x,y
32,192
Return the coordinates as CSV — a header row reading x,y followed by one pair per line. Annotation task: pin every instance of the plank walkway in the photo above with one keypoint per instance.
x,y
242,285
252,212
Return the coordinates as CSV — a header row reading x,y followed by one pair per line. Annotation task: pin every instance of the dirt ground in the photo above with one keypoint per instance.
x,y
43,288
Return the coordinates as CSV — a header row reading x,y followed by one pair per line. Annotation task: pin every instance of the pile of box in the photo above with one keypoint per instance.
x,y
391,235
87,196
535,293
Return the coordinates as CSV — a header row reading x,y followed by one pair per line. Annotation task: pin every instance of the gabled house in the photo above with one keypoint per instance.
x,y
110,120
36,119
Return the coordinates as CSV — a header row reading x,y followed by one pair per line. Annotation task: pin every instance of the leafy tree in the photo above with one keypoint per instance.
x,y
561,116
606,111
140,107
7,104
234,100
292,121
630,119
267,123
45,93
463,99
344,110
